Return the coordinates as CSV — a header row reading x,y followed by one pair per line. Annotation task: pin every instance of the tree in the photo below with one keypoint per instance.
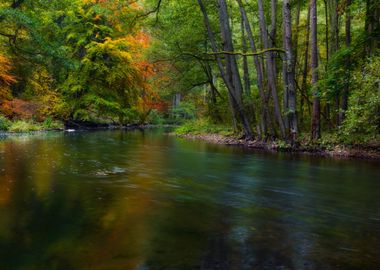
x,y
316,117
270,69
289,72
230,73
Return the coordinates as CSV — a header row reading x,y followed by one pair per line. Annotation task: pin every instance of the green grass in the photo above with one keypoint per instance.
x,y
203,126
24,126
21,126
50,124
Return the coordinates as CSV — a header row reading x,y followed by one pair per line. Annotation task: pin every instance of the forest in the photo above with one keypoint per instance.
x,y
291,70
189,134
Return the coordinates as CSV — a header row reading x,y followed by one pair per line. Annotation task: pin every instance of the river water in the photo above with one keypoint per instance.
x,y
145,200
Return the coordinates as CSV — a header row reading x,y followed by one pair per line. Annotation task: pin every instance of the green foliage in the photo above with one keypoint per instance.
x,y
21,126
79,56
338,72
4,123
50,124
363,115
185,111
202,126
155,118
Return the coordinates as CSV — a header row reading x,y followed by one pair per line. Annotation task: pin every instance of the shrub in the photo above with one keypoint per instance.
x,y
51,124
363,115
23,126
185,111
155,118
4,123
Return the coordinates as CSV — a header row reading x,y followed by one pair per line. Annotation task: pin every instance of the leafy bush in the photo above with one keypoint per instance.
x,y
155,118
51,124
4,123
363,115
23,126
185,111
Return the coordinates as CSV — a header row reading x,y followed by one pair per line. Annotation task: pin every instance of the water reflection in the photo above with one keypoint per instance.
x,y
144,200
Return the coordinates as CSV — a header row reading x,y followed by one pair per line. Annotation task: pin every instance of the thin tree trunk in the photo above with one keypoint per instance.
x,y
289,73
334,23
230,85
259,71
305,69
344,104
334,46
296,34
231,60
372,26
327,32
270,69
247,82
316,117
273,34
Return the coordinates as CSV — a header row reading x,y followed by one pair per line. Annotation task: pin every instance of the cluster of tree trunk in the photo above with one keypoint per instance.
x,y
275,118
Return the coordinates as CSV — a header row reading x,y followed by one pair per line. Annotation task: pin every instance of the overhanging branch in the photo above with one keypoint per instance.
x,y
248,54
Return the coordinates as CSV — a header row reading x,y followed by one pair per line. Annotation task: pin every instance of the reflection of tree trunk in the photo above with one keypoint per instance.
x,y
316,116
270,69
289,76
344,104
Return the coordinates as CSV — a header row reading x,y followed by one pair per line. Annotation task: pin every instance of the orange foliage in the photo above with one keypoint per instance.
x,y
6,79
19,109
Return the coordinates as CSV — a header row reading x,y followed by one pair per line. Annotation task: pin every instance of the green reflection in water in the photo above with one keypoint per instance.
x,y
145,200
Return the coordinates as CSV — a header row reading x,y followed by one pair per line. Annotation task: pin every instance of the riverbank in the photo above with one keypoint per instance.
x,y
78,128
362,151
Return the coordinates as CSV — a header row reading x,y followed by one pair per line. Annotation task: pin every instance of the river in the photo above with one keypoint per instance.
x,y
145,200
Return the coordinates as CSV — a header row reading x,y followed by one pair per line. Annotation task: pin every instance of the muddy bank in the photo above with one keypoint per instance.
x,y
370,151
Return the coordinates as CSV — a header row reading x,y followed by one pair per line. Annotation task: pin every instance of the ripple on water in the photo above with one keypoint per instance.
x,y
114,171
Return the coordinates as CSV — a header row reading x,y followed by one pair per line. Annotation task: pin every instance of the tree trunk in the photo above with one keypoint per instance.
x,y
289,73
327,32
247,82
344,104
270,69
372,26
259,72
296,34
305,69
231,64
316,116
334,26
334,46
273,34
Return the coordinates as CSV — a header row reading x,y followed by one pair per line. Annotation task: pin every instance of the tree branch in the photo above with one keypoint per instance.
x,y
248,54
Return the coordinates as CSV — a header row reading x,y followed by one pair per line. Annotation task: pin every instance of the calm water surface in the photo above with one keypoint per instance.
x,y
145,200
